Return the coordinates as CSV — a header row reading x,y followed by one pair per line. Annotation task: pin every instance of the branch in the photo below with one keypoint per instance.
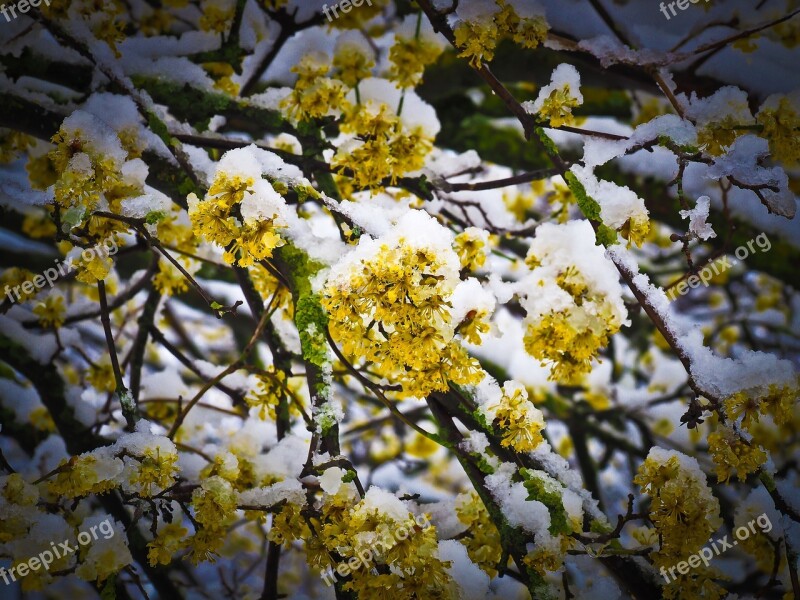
x,y
129,410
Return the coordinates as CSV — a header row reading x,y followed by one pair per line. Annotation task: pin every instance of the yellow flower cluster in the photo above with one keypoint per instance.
x,y
214,503
482,539
105,19
383,148
218,219
725,117
779,117
12,144
471,245
521,422
18,493
478,38
314,95
152,471
778,402
222,73
169,280
84,171
685,513
348,527
393,312
217,15
352,62
83,475
271,387
170,540
733,455
410,54
572,337
557,108
51,311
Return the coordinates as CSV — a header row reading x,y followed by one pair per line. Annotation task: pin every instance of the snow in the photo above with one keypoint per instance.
x,y
331,480
741,162
477,10
470,295
617,203
720,377
610,51
598,151
531,515
697,219
385,503
557,248
472,582
290,490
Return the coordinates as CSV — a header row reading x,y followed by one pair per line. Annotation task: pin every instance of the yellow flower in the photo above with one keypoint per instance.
x,y
51,311
214,502
477,41
101,375
780,119
166,544
155,469
85,474
409,57
38,226
272,387
483,540
683,509
212,221
521,421
352,63
470,245
12,144
216,18
734,456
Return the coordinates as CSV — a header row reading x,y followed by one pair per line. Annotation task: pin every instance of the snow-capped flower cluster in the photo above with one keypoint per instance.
x,y
572,298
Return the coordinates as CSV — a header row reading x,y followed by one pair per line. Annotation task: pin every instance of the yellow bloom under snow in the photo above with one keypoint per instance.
x,y
382,146
574,303
777,401
240,214
555,101
391,308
